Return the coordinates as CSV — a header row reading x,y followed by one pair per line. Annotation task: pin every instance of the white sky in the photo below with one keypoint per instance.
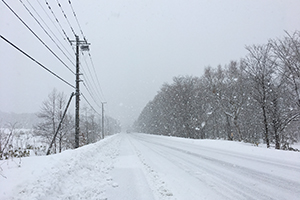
x,y
136,46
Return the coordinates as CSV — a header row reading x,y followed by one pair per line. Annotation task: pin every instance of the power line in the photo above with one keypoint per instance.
x,y
38,20
64,14
89,103
53,25
36,61
50,20
99,85
97,91
87,88
35,34
87,85
46,31
98,88
90,94
49,7
77,20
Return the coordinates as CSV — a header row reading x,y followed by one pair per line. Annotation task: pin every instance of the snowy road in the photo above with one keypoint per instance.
x,y
148,167
185,169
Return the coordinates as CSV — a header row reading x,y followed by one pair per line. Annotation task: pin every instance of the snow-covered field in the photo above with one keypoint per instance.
x,y
140,166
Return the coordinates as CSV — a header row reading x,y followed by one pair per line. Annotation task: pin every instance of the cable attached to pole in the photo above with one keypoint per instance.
x,y
35,35
59,125
36,61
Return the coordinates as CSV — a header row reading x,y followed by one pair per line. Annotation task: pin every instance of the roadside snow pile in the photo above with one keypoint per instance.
x,y
73,174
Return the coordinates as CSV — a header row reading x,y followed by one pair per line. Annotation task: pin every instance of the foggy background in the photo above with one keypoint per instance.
x,y
136,46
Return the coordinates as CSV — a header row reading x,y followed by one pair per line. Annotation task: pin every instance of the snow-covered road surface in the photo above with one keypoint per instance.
x,y
204,169
140,166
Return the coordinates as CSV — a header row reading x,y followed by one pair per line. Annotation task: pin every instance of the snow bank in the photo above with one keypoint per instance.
x,y
73,174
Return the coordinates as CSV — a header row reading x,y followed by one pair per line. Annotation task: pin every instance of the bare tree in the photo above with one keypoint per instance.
x,y
260,68
51,113
90,126
6,140
287,52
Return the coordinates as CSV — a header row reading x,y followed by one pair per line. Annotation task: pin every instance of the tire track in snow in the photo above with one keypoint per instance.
x,y
271,179
224,190
158,185
225,175
284,166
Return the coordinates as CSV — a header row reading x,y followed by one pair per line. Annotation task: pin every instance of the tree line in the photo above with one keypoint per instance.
x,y
16,142
90,124
256,99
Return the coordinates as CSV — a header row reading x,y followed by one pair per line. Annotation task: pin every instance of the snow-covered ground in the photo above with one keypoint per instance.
x,y
23,139
140,166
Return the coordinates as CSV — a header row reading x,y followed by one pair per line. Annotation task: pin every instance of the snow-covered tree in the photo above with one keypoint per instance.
x,y
255,99
50,114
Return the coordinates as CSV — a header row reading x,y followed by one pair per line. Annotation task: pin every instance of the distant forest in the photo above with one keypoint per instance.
x,y
24,120
256,99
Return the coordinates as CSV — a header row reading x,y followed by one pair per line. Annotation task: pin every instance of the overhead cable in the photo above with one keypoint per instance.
x,y
36,61
53,22
101,95
89,104
91,94
64,32
97,91
88,86
75,16
50,20
64,14
35,34
37,21
99,85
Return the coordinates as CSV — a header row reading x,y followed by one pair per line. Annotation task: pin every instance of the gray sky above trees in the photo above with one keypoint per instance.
x,y
136,46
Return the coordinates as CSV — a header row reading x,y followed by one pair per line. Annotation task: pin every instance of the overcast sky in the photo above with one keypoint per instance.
x,y
136,46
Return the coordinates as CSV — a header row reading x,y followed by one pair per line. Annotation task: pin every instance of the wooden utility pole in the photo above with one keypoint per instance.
x,y
77,129
84,47
103,119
